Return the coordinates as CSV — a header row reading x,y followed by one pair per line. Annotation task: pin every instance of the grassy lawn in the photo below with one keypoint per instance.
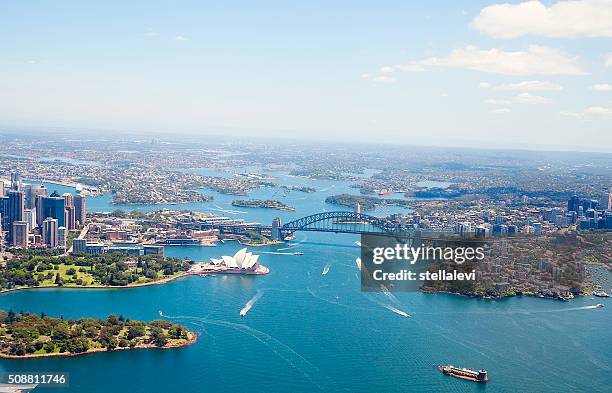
x,y
87,278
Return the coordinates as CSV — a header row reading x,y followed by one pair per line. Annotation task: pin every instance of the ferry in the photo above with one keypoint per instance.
x,y
464,373
600,294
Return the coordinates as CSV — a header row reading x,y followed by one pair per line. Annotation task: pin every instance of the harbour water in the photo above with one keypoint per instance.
x,y
311,332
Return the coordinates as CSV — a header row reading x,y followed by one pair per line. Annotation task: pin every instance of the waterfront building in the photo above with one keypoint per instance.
x,y
15,208
242,260
79,209
153,250
276,232
50,232
20,234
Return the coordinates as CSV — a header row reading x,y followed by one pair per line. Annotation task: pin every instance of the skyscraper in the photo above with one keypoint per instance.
x,y
53,206
15,181
29,216
20,234
61,236
79,209
69,218
606,200
16,206
1,188
31,192
50,233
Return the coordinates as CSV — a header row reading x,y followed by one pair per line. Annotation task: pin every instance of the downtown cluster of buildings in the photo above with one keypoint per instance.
x,y
484,220
30,217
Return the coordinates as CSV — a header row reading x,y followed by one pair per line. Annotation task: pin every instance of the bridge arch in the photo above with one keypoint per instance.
x,y
340,222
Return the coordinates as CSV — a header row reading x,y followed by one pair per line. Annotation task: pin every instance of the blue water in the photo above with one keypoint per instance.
x,y
312,332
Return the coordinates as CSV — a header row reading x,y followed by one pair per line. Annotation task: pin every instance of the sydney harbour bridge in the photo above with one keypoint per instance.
x,y
332,222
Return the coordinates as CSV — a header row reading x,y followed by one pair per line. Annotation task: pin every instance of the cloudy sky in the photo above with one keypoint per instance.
x,y
519,74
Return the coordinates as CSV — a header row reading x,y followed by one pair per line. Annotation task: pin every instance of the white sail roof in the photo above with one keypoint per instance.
x,y
241,260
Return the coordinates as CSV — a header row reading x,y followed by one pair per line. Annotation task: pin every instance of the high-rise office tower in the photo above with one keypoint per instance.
x,y
29,216
15,181
61,236
53,206
31,192
573,204
606,200
50,229
15,208
79,209
20,234
69,217
68,199
3,210
1,188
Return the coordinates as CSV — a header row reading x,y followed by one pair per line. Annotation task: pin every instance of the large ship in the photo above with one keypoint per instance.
x,y
464,373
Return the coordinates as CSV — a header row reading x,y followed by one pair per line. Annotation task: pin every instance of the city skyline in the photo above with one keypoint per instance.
x,y
526,75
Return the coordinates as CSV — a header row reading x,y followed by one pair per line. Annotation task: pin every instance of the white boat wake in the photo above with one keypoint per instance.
x,y
325,269
247,307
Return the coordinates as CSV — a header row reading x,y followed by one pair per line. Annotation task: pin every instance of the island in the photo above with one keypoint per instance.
x,y
27,335
364,201
299,188
258,203
40,268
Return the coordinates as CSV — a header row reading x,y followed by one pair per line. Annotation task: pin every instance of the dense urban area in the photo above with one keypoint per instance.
x,y
550,213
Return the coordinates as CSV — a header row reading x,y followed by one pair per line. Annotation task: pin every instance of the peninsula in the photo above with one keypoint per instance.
x,y
26,335
258,203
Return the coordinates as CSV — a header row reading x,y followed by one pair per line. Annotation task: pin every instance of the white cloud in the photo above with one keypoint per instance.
x,y
383,79
387,70
444,95
525,85
530,99
609,61
598,110
501,110
602,87
571,114
537,60
574,18
495,101
366,76
593,110
151,33
180,38
523,98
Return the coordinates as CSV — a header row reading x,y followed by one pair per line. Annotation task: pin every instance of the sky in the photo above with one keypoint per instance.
x,y
466,73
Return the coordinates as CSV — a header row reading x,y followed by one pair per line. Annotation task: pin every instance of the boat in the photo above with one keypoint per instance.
x,y
600,294
464,373
384,192
325,269
298,253
599,305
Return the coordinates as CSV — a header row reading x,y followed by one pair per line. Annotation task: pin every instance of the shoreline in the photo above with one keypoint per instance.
x,y
192,338
144,284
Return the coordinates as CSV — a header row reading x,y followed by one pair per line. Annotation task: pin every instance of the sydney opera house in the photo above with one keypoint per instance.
x,y
242,262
